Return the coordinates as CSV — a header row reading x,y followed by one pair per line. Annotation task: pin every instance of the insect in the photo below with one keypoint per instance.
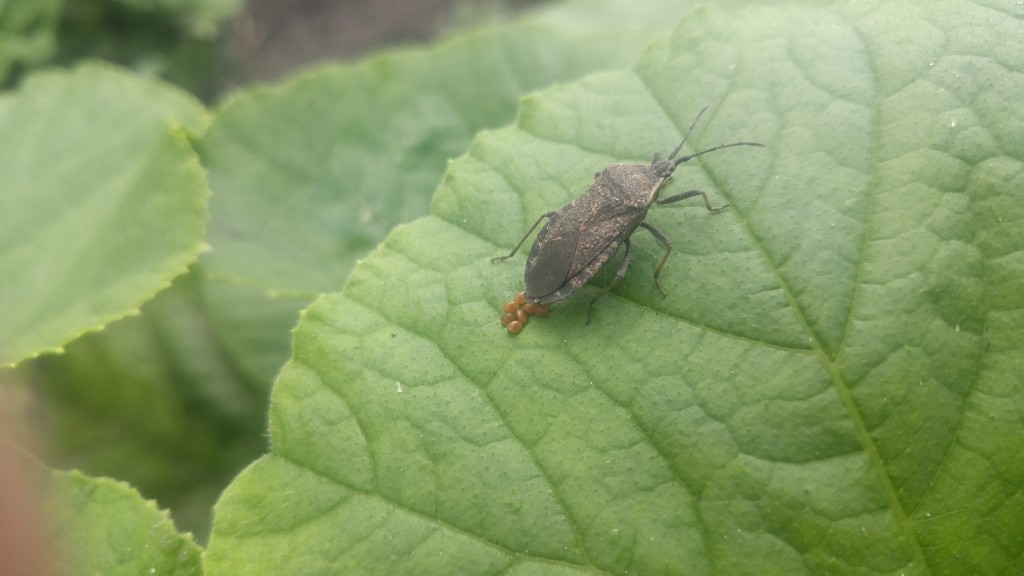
x,y
581,237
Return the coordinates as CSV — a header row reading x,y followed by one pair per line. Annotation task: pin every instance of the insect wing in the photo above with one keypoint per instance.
x,y
551,257
566,246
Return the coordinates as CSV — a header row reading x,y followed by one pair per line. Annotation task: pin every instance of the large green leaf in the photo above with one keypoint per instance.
x,y
103,202
833,384
309,176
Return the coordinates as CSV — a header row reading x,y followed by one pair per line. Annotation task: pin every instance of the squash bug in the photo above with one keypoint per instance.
x,y
581,237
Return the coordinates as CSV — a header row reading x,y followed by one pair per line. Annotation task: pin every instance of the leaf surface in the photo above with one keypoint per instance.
x,y
103,203
105,527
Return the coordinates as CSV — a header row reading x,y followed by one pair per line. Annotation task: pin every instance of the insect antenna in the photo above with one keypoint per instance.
x,y
679,161
687,135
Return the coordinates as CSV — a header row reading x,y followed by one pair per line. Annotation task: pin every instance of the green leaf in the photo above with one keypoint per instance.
x,y
833,384
27,32
103,202
253,329
105,527
309,176
158,399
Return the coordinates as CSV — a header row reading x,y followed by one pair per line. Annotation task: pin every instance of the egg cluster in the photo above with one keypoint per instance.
x,y
518,311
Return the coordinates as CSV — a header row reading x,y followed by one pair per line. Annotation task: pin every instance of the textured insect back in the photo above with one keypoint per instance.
x,y
583,236
623,182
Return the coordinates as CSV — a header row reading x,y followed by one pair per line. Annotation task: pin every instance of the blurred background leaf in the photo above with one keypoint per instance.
x,y
27,33
105,527
104,202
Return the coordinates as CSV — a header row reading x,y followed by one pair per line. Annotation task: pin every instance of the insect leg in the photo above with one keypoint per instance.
x,y
619,275
661,237
523,239
691,194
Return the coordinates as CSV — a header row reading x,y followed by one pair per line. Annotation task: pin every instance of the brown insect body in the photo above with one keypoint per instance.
x,y
582,237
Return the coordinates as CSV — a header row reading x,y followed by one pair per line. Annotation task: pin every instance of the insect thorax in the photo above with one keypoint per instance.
x,y
630,184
